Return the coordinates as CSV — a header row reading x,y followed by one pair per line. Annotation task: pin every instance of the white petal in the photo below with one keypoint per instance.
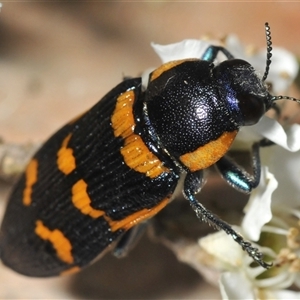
x,y
234,285
145,76
181,50
283,69
258,209
282,294
286,166
272,130
235,47
223,248
282,73
282,280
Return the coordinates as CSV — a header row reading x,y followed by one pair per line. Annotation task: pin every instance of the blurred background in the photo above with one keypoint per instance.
x,y
57,58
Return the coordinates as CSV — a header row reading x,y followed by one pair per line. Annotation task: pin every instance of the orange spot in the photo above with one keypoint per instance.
x,y
70,271
167,66
138,157
136,154
137,217
122,118
82,201
65,159
31,178
60,243
207,155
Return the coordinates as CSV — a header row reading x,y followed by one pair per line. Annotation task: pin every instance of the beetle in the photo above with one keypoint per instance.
x,y
118,164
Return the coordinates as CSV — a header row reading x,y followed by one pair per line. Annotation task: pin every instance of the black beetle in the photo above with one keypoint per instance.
x,y
119,163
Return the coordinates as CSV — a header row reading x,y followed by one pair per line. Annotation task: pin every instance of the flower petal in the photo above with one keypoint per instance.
x,y
286,166
284,67
273,131
181,50
281,294
235,285
258,209
283,70
236,48
222,247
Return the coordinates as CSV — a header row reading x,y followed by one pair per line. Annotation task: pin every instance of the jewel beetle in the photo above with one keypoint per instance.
x,y
118,164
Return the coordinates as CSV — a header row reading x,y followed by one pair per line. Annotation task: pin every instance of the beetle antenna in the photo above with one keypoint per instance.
x,y
269,51
268,63
274,98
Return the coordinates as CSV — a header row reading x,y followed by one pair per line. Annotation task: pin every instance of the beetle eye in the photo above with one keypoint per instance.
x,y
251,107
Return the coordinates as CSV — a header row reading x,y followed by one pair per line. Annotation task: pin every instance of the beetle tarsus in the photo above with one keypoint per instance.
x,y
205,215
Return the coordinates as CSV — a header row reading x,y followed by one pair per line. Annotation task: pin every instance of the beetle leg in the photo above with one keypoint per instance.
x,y
194,182
211,53
236,176
129,239
190,189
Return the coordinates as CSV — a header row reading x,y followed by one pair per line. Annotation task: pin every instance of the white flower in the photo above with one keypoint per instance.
x,y
284,67
258,209
282,73
281,238
275,228
181,50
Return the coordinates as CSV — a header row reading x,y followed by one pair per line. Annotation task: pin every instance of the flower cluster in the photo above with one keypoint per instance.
x,y
272,216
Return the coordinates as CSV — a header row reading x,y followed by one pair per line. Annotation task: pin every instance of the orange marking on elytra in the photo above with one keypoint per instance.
x,y
72,270
60,243
65,159
137,217
167,66
136,154
207,155
31,174
82,201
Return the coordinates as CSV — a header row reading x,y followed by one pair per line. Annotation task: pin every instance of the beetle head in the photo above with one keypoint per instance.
x,y
244,92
